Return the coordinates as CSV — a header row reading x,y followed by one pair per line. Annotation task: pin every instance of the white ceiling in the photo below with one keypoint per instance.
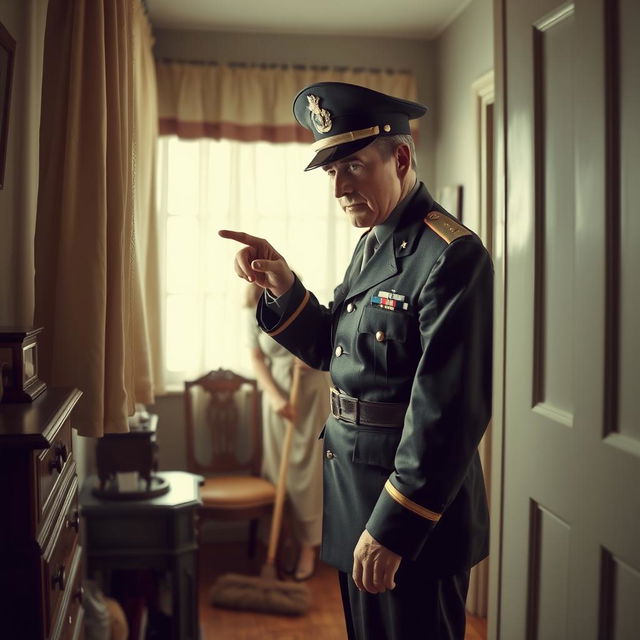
x,y
422,19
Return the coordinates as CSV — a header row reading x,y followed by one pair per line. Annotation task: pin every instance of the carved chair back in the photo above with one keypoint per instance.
x,y
223,424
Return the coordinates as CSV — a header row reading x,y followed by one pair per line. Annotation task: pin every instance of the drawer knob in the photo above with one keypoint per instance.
x,y
59,578
56,463
79,594
60,455
61,450
73,521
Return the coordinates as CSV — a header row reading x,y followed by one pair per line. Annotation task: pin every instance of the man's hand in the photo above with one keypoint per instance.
x,y
374,566
259,262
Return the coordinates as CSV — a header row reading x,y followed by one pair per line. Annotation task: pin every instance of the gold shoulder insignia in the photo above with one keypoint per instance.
x,y
448,229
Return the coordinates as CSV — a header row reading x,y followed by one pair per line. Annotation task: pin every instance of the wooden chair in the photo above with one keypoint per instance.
x,y
226,418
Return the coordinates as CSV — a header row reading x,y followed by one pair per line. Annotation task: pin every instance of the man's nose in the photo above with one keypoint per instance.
x,y
341,185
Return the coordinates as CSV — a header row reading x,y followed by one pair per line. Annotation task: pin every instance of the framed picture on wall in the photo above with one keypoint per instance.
x,y
451,199
7,53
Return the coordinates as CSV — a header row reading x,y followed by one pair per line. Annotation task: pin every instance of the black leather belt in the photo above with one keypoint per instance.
x,y
374,414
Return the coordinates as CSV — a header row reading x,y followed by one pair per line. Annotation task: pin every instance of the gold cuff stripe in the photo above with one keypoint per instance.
x,y
410,504
341,138
292,317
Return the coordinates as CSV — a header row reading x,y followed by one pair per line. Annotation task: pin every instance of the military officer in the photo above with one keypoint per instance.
x,y
407,340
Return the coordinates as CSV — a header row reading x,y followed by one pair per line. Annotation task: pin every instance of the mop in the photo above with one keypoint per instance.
x,y
265,593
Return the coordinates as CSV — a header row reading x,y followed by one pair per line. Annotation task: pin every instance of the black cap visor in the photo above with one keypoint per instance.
x,y
332,154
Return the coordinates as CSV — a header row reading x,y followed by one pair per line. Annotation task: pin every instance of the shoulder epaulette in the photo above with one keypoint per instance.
x,y
448,229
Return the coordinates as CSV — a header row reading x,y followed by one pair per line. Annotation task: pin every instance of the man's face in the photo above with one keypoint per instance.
x,y
366,186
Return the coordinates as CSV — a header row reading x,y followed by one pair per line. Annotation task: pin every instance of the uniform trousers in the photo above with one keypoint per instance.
x,y
421,607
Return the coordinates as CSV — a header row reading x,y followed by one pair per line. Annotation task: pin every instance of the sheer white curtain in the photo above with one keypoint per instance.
x,y
257,187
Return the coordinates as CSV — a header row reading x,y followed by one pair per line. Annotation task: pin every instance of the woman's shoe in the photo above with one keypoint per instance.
x,y
306,564
287,557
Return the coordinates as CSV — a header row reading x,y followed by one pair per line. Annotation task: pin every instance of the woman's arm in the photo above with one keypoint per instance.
x,y
278,400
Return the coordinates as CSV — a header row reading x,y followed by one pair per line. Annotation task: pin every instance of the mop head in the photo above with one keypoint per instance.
x,y
253,593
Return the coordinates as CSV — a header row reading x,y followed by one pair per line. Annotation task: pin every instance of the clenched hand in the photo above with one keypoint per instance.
x,y
374,566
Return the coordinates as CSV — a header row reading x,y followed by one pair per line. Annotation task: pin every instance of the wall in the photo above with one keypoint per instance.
x,y
387,53
463,53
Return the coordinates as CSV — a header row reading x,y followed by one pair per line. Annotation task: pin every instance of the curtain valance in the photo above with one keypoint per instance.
x,y
251,103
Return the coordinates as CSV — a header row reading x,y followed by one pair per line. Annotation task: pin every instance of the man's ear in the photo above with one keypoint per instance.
x,y
403,160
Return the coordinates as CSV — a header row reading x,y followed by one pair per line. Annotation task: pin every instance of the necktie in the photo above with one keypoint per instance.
x,y
370,246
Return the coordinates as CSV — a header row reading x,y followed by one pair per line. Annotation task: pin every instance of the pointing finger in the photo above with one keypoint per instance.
x,y
240,236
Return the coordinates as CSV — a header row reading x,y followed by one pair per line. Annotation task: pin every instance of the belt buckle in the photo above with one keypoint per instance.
x,y
337,398
335,403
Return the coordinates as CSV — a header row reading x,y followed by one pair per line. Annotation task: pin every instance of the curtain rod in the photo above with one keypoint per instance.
x,y
276,65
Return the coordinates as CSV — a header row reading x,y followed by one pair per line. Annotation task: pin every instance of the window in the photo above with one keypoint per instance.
x,y
260,188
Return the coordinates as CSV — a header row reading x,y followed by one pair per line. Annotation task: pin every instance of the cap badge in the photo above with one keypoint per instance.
x,y
321,118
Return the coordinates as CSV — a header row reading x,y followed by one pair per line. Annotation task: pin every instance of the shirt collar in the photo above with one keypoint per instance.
x,y
386,228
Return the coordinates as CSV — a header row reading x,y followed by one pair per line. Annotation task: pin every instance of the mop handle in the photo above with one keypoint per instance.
x,y
278,506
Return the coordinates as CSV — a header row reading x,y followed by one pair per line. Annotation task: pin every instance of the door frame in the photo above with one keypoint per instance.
x,y
499,323
484,93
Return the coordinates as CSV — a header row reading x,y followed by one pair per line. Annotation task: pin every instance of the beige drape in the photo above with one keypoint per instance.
x,y
146,233
251,103
95,234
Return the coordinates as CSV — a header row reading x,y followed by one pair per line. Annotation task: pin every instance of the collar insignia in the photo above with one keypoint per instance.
x,y
320,118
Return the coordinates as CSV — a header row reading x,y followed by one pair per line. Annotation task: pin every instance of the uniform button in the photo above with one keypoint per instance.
x,y
350,307
330,455
380,336
338,351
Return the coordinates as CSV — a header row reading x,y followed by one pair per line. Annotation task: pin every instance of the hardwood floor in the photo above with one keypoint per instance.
x,y
323,622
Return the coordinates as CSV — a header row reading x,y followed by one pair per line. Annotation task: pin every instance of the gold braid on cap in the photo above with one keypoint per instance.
x,y
341,138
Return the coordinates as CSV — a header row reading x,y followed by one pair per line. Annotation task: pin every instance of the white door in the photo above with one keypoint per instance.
x,y
570,540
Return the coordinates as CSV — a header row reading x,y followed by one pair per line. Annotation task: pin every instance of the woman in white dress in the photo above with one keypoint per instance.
x,y
273,366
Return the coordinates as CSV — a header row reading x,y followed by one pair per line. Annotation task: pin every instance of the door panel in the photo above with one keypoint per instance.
x,y
629,103
570,559
549,570
554,214
620,619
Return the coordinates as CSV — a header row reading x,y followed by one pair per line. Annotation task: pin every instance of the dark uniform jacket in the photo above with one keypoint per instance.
x,y
418,489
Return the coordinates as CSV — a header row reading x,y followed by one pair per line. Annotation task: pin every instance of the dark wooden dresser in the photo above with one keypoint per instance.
x,y
40,554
